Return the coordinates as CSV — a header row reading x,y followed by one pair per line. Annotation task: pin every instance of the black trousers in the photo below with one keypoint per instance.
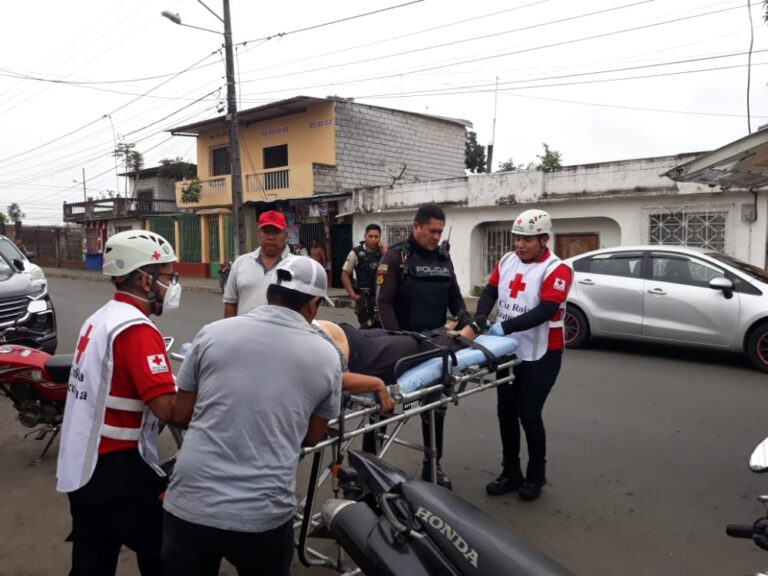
x,y
119,506
521,403
194,550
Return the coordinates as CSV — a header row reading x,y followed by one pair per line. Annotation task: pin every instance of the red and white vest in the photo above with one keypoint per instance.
x,y
520,291
89,396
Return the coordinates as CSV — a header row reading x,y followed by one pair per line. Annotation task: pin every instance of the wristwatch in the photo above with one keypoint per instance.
x,y
475,327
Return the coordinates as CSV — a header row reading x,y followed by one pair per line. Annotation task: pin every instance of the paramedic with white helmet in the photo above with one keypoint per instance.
x,y
530,285
120,385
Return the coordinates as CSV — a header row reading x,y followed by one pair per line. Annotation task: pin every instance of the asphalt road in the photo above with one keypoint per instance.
x,y
648,453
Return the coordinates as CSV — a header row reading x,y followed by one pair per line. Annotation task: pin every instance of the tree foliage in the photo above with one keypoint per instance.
x,y
133,160
177,169
474,153
550,160
15,213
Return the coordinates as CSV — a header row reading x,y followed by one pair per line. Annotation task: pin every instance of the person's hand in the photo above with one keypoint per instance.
x,y
355,297
496,330
386,402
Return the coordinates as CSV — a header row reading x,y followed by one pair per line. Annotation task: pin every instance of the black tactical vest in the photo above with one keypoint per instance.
x,y
365,269
423,289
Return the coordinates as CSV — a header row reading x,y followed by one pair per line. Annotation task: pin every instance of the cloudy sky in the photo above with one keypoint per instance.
x,y
597,80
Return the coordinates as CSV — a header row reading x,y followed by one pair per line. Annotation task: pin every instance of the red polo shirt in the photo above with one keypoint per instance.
x,y
132,376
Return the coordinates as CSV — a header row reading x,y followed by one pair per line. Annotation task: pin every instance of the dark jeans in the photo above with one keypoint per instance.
x,y
521,403
119,506
194,550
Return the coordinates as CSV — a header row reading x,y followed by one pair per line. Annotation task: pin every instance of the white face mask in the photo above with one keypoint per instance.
x,y
172,296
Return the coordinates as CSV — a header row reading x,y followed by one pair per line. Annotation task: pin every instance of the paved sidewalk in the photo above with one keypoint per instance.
x,y
338,295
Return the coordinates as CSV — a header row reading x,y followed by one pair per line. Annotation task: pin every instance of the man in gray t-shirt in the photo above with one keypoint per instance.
x,y
265,383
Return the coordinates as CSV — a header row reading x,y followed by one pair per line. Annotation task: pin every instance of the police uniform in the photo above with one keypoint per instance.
x,y
108,463
365,264
415,289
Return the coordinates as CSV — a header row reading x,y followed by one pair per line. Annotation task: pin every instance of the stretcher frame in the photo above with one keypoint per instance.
x,y
455,384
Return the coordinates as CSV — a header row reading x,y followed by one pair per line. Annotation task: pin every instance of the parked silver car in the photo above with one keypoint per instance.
x,y
670,294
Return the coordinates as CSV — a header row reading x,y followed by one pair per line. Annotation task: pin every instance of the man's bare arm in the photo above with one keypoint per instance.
x,y
315,430
230,310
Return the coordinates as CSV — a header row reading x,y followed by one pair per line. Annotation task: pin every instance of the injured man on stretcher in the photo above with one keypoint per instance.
x,y
371,355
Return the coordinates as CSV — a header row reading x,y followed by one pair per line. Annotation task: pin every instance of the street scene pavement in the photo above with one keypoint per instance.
x,y
647,463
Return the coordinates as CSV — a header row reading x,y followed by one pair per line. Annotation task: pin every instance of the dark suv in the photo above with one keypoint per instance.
x,y
26,312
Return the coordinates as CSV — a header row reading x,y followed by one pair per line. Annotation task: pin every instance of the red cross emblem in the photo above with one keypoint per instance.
x,y
82,343
516,286
157,361
155,255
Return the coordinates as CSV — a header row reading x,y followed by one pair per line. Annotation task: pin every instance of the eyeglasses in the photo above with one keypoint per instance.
x,y
173,277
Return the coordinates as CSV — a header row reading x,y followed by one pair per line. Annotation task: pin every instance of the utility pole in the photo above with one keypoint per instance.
x,y
234,138
85,195
493,133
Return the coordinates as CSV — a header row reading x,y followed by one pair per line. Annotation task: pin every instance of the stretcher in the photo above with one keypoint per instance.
x,y
426,382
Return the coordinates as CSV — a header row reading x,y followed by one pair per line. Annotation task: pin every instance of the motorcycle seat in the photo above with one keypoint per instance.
x,y
473,541
58,367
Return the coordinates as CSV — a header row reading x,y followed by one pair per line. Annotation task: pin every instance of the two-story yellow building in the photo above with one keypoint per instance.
x,y
303,156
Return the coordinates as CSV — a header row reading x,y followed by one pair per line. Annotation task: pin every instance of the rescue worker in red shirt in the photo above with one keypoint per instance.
x,y
530,285
120,385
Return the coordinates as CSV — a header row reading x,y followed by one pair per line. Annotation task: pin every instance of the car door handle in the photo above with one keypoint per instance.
x,y
587,281
657,291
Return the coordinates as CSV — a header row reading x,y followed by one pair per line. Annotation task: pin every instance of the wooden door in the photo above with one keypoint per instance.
x,y
567,245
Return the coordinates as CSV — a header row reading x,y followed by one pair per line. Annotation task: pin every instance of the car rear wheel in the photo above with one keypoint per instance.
x,y
576,328
757,348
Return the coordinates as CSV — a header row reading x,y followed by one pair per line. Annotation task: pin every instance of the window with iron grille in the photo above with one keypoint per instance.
x,y
395,232
220,161
701,226
498,241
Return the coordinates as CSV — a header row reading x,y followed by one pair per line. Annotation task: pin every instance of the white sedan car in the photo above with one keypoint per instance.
x,y
670,294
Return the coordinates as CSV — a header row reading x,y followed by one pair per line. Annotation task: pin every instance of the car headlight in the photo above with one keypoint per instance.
x,y
37,306
37,274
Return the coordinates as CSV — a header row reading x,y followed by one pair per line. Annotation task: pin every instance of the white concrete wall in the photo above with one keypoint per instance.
x,y
610,199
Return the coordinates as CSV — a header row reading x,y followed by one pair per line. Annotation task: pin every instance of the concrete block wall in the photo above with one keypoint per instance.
x,y
373,144
323,178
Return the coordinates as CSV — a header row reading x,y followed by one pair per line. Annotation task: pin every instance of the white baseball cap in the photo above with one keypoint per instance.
x,y
305,275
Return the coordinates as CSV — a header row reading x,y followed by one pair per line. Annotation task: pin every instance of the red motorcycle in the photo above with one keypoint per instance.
x,y
35,382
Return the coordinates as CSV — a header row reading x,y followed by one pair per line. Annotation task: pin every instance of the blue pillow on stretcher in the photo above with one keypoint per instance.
x,y
431,370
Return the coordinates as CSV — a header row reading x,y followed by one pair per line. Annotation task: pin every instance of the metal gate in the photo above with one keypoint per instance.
x,y
498,241
189,238
229,238
163,225
213,237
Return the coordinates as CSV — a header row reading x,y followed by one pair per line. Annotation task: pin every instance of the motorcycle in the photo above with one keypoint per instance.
x,y
36,384
389,524
758,530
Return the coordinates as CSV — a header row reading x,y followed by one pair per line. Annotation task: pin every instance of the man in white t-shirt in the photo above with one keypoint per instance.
x,y
251,273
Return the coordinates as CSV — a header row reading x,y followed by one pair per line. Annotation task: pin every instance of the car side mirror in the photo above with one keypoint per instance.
x,y
724,284
758,462
19,263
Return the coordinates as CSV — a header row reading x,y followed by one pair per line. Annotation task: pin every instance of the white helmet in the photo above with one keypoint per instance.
x,y
126,251
532,223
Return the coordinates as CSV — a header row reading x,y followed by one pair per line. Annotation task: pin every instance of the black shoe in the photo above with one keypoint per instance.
x,y
442,479
531,490
504,483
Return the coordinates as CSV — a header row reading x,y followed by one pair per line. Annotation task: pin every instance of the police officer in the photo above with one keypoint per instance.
x,y
363,261
416,287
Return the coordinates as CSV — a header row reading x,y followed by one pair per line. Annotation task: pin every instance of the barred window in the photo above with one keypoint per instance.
x,y
395,232
498,241
701,226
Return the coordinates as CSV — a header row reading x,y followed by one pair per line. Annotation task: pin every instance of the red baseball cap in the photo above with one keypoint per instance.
x,y
272,218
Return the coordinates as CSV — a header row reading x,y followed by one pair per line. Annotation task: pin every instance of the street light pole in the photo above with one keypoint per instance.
x,y
232,121
234,137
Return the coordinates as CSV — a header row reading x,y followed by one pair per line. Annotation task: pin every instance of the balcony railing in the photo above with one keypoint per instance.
x,y
216,191
109,208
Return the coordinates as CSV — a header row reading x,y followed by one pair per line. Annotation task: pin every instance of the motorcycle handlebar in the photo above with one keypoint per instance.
x,y
739,531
